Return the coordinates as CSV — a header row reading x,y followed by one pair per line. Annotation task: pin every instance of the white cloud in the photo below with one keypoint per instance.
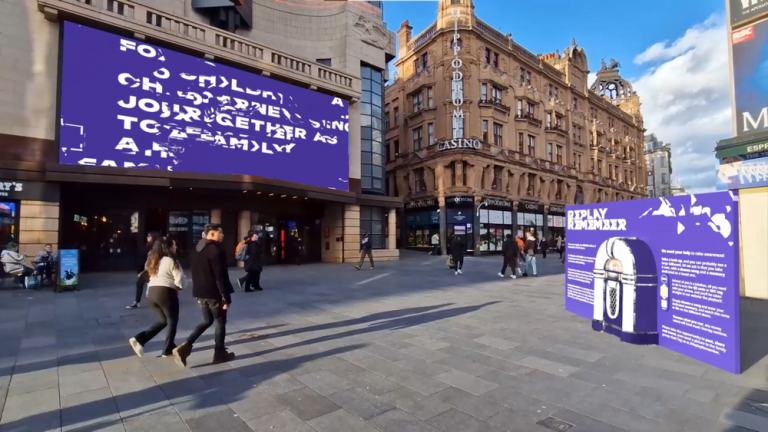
x,y
686,99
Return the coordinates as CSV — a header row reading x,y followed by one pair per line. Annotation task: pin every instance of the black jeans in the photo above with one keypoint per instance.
x,y
511,263
140,282
544,253
458,263
45,270
252,280
25,271
212,311
165,302
436,249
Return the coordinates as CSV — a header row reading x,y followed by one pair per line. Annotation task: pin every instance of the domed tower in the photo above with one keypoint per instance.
x,y
447,9
611,86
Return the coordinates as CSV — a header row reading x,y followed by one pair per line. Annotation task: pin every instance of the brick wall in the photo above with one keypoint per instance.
x,y
39,225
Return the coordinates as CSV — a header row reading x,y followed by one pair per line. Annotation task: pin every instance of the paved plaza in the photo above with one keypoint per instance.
x,y
409,347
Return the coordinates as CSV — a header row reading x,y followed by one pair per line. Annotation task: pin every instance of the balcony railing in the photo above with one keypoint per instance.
x,y
491,33
530,118
422,38
557,129
496,103
128,15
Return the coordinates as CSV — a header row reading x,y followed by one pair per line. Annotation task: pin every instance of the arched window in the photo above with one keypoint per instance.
x,y
579,198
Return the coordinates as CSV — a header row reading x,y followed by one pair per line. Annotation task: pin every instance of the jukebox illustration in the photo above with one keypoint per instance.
x,y
626,291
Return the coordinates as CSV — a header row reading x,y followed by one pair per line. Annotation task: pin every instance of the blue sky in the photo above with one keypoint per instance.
x,y
683,43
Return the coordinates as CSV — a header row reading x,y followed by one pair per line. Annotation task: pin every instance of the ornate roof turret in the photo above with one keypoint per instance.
x,y
610,84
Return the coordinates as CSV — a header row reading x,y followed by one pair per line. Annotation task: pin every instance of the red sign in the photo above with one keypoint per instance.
x,y
742,35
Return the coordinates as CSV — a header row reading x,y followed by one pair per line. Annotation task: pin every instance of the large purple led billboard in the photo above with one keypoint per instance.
x,y
129,104
659,270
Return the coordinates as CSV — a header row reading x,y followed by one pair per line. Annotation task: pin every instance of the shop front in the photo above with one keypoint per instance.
x,y
530,218
495,219
28,214
422,221
460,220
556,221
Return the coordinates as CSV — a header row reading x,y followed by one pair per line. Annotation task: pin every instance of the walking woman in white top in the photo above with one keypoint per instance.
x,y
166,279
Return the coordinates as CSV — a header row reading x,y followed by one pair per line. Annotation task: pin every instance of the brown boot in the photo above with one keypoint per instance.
x,y
180,354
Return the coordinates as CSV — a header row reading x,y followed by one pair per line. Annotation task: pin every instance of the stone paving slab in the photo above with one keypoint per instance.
x,y
325,348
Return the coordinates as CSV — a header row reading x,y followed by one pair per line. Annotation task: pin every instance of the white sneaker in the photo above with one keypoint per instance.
x,y
137,348
501,275
513,276
460,272
457,273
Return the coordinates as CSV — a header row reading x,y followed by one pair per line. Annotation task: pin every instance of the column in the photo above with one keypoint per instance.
x,y
243,226
443,226
392,229
351,238
216,216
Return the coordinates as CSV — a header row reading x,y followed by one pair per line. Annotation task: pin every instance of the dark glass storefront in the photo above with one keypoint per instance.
x,y
495,223
530,218
460,220
9,222
109,223
555,222
422,221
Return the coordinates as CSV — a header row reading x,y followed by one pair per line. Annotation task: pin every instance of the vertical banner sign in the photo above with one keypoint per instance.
x,y
69,269
750,88
457,80
662,270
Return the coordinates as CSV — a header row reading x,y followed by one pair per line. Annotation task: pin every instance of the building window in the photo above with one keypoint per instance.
x,y
223,18
575,104
425,60
549,120
421,184
519,108
559,190
663,162
531,109
531,145
483,92
558,122
372,222
463,173
416,98
498,134
455,1
663,178
451,173
326,62
372,136
417,66
498,172
485,131
559,154
430,134
417,139
495,60
397,116
549,152
488,56
496,95
430,97
397,148
531,184
610,172
528,77
578,161
625,179
458,127
520,142
599,167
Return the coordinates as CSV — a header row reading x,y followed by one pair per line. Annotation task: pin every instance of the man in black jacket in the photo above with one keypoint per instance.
x,y
212,289
511,253
365,249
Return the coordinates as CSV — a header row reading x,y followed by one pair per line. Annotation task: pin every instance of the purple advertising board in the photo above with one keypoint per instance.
x,y
659,270
129,104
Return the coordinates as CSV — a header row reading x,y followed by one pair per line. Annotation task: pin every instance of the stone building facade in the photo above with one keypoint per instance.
x,y
658,159
473,114
337,48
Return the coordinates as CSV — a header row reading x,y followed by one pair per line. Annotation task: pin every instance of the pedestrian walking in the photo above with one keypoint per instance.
x,y
530,257
562,254
457,253
559,241
212,289
521,268
253,263
241,254
544,245
365,250
142,278
511,253
435,244
166,279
